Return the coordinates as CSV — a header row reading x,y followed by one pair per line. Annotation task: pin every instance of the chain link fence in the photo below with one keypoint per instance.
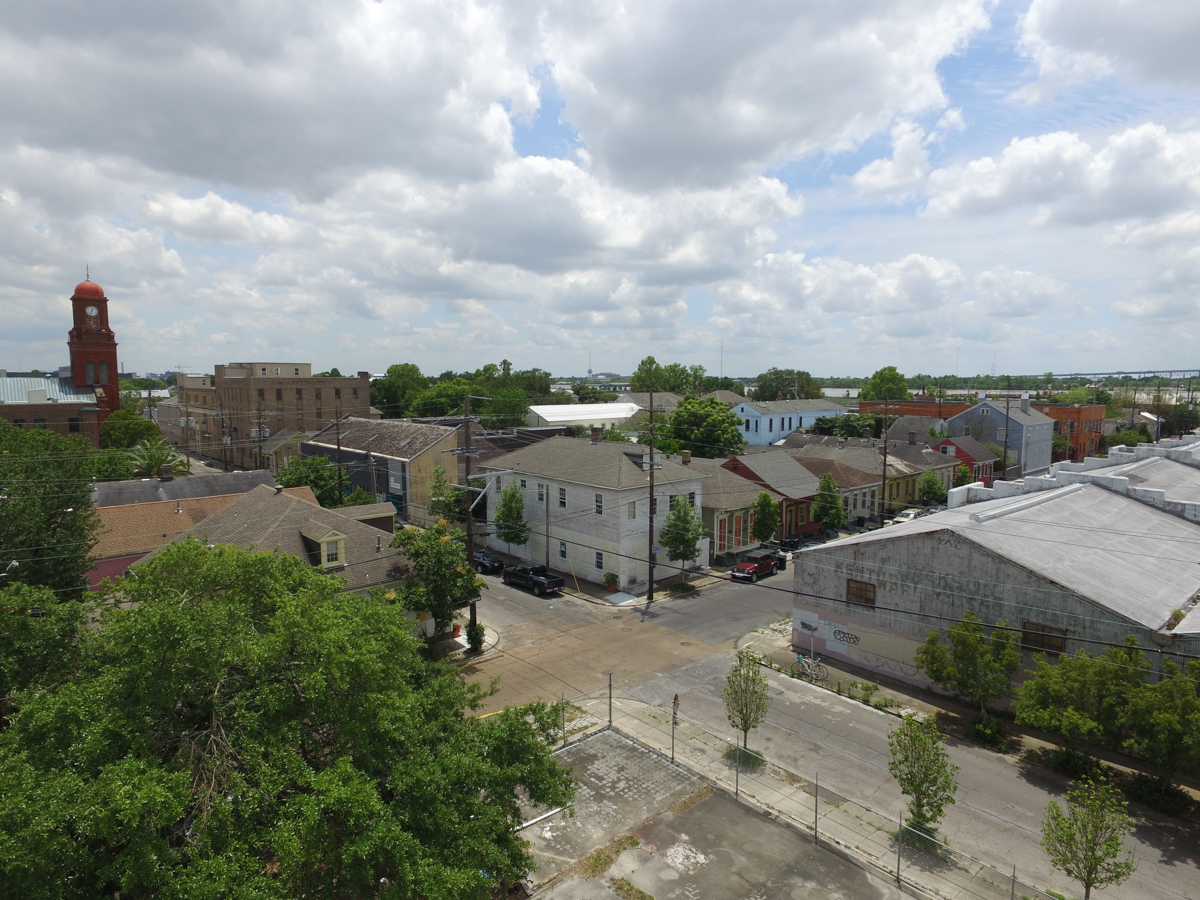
x,y
907,855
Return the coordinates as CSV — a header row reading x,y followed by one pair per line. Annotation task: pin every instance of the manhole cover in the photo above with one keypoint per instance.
x,y
627,629
618,617
685,643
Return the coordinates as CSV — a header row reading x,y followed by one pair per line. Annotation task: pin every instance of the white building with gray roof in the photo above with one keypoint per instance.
x,y
587,505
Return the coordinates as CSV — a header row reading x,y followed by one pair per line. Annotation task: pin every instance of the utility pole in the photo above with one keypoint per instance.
x,y
466,442
650,510
1007,401
883,486
258,423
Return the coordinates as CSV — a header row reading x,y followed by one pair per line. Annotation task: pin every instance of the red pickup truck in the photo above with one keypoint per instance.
x,y
753,566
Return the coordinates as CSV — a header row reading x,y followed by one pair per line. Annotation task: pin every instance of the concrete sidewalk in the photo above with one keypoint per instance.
x,y
836,819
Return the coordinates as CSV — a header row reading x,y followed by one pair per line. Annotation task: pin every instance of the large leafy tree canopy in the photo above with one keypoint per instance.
x,y
151,457
933,489
439,577
708,428
849,425
236,727
979,663
766,516
500,394
790,383
885,384
315,472
674,377
47,524
123,429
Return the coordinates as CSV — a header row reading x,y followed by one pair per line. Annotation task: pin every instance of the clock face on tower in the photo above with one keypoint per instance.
x,y
92,311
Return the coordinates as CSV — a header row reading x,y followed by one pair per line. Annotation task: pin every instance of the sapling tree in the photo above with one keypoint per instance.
x,y
828,509
745,695
1084,841
766,517
682,532
509,518
923,770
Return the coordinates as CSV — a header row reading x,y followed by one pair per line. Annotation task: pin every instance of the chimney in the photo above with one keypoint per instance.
x,y
597,434
1025,403
779,395
912,437
166,473
866,434
687,456
178,507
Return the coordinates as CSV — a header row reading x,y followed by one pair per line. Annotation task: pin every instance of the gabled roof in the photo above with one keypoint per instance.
x,y
919,455
1126,556
609,464
727,397
846,476
857,454
265,520
725,490
58,390
569,412
778,471
919,424
1033,417
775,407
397,438
972,448
150,490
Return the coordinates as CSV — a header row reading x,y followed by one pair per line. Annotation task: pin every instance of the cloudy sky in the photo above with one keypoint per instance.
x,y
834,186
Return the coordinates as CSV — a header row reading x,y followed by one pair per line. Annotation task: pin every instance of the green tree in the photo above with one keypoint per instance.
x,y
1129,438
509,519
332,373
1002,461
828,508
1085,841
791,383
39,639
315,472
152,456
648,376
847,425
391,393
508,408
885,384
589,393
1083,699
239,727
707,428
442,399
445,500
1163,722
933,489
963,476
439,578
766,517
1060,444
359,497
979,663
122,430
681,533
923,770
745,695
47,523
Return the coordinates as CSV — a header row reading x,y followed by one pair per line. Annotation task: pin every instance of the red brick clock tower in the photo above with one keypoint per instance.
x,y
93,347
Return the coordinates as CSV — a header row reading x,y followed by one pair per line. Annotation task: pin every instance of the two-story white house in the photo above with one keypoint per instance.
x,y
587,504
771,421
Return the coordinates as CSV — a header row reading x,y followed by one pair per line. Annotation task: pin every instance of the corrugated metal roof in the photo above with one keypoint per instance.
x,y
569,412
61,390
1126,556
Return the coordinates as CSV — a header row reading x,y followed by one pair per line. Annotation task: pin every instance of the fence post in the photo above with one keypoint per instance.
x,y
674,722
610,698
737,772
563,708
899,844
1013,895
816,806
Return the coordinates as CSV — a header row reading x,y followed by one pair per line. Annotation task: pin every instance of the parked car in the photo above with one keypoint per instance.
x,y
791,543
907,516
779,553
754,566
486,564
536,578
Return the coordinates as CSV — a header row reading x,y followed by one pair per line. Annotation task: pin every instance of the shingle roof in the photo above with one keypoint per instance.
x,y
149,490
61,390
607,464
974,449
398,438
142,527
726,490
775,407
1033,417
727,397
857,455
780,472
920,424
1124,555
846,476
265,520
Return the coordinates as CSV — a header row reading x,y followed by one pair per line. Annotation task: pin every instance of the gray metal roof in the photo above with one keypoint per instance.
x,y
58,390
1127,557
148,490
775,407
606,464
1179,480
726,490
1033,417
781,473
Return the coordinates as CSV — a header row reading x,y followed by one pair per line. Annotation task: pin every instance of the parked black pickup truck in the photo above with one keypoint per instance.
x,y
536,578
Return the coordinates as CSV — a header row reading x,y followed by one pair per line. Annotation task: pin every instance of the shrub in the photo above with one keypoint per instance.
x,y
1170,799
989,731
475,636
681,588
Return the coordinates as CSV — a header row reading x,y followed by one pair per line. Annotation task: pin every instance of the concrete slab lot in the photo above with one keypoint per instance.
x,y
692,844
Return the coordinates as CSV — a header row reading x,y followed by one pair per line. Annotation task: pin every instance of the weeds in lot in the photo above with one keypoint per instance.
x,y
752,760
626,891
597,862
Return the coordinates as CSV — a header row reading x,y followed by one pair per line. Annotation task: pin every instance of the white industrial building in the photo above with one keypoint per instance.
x,y
589,415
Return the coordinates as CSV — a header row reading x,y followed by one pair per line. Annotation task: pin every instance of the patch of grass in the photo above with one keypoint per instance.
x,y
1172,800
751,760
681,588
598,862
626,891
679,807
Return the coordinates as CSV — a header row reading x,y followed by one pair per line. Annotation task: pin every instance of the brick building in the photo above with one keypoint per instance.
x,y
256,399
937,409
191,419
1082,424
74,403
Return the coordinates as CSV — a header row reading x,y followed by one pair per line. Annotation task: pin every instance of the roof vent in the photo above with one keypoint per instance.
x,y
597,434
166,473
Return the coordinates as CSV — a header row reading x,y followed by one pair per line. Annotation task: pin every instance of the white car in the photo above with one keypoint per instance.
x,y
907,516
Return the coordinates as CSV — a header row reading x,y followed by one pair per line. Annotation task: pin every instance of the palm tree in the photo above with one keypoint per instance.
x,y
151,455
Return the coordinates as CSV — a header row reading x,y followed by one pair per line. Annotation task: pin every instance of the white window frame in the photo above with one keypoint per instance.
x,y
599,504
600,560
541,492
562,498
562,549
